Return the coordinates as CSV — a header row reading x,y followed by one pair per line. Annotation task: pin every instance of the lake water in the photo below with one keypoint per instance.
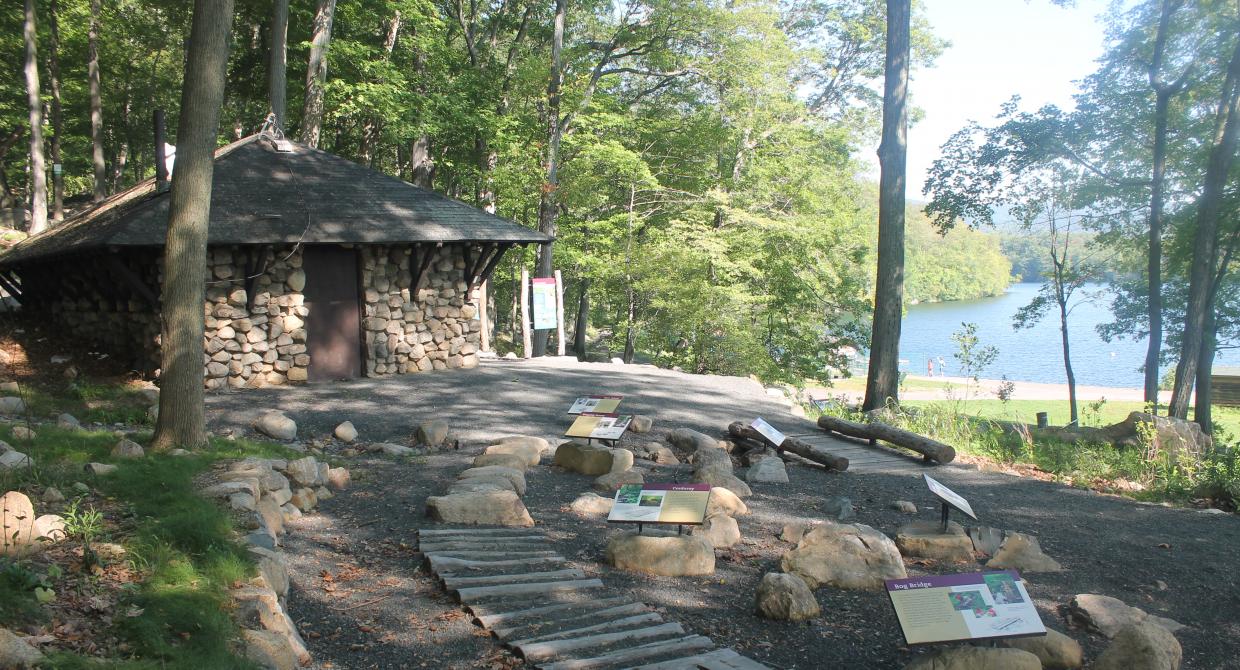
x,y
1033,354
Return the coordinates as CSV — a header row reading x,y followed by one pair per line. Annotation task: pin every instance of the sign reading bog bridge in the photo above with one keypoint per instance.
x,y
971,606
660,503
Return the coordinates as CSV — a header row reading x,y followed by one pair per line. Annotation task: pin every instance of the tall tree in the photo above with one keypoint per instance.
x,y
551,155
99,165
38,168
181,421
58,126
316,73
883,379
1205,241
277,61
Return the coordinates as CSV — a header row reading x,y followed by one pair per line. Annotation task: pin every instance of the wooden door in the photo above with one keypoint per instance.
x,y
333,325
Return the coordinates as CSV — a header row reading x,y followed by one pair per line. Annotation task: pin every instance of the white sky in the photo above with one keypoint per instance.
x,y
998,48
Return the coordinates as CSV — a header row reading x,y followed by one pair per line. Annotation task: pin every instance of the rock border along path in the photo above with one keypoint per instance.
x,y
515,585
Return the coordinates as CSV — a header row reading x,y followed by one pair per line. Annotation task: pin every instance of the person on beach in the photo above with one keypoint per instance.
x,y
930,367
942,367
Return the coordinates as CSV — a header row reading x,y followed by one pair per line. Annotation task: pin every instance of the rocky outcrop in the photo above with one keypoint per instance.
x,y
666,555
847,556
785,597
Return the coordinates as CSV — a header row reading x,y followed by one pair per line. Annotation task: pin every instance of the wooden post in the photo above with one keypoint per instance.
x,y
526,345
559,312
484,323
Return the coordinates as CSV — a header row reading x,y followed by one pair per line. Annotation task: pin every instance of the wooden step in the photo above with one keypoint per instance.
x,y
536,651
476,593
442,564
532,628
426,546
434,532
454,583
632,654
484,555
490,617
615,624
719,659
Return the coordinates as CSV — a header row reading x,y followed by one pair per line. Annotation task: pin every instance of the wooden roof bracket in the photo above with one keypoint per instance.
x,y
134,282
500,250
422,258
256,260
473,268
11,285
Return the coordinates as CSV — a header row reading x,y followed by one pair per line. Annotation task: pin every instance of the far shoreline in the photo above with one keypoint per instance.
x,y
984,389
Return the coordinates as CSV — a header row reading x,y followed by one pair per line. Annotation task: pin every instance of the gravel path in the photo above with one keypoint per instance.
x,y
355,550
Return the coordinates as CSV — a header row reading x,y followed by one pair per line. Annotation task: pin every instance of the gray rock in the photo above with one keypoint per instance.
x,y
242,502
723,501
1141,646
793,532
785,597
904,506
691,440
269,650
303,471
225,489
14,460
345,432
718,478
16,652
68,422
585,459
512,475
339,478
653,451
641,424
768,470
611,481
976,658
1108,615
926,539
100,469
1021,552
260,608
496,508
127,448
23,433
304,499
52,495
986,540
276,425
592,505
839,508
621,460
847,556
390,449
12,406
272,568
514,461
667,555
1055,650
433,433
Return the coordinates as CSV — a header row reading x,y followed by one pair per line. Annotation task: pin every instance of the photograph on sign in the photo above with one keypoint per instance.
x,y
949,496
544,303
972,606
596,403
660,503
599,426
768,431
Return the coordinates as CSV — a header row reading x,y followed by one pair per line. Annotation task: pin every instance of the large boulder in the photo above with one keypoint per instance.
x,y
345,432
1108,615
1141,646
592,505
12,459
16,523
666,555
514,461
1021,552
585,459
303,471
516,477
641,424
723,501
847,556
611,481
1055,650
926,539
691,440
17,653
433,433
621,460
719,478
493,508
653,451
717,459
276,425
127,448
269,649
720,530
11,406
529,448
1169,434
785,597
770,470
976,658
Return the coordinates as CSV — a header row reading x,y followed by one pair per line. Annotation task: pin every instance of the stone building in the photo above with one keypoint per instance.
x,y
318,268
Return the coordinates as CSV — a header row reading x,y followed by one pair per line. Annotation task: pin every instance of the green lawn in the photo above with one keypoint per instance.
x,y
1226,419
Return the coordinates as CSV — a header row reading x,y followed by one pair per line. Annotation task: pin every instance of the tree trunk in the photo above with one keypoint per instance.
x,y
277,61
1205,366
316,73
181,420
882,382
629,293
583,320
421,166
555,131
98,163
1062,301
1205,243
38,168
58,126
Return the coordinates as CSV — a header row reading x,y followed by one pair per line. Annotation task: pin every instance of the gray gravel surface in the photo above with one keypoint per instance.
x,y
363,539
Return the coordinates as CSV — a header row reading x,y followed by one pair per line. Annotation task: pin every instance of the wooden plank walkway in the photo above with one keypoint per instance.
x,y
554,616
866,458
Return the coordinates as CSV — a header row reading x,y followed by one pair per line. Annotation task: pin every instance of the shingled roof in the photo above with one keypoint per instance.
x,y
262,195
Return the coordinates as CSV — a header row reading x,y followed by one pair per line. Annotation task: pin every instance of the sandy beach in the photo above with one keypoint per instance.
x,y
987,388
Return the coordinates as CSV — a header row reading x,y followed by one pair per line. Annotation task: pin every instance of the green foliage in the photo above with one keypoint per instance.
x,y
18,603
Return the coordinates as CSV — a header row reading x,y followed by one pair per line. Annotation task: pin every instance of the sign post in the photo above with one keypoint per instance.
x,y
596,403
769,432
949,498
602,426
680,504
962,607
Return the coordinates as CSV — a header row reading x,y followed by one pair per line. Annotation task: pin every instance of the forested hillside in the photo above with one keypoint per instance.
x,y
696,159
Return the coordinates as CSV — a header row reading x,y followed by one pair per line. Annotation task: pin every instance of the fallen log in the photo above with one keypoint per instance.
x,y
803,449
931,449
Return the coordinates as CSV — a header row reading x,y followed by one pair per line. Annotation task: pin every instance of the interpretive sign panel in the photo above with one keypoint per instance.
x,y
660,503
544,303
949,496
596,403
768,431
972,606
599,426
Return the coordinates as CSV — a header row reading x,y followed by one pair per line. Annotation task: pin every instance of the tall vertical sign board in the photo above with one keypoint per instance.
x,y
544,303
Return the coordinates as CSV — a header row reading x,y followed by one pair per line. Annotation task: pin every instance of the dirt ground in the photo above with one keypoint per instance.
x,y
362,601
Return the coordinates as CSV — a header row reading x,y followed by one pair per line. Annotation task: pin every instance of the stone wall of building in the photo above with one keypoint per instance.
x,y
265,343
436,328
